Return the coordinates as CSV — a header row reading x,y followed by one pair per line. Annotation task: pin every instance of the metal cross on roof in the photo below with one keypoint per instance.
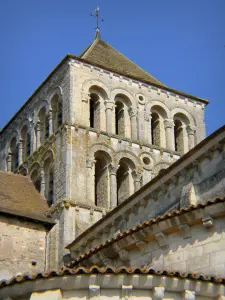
x,y
95,13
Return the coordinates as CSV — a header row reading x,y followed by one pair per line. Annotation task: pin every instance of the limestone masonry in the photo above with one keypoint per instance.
x,y
128,178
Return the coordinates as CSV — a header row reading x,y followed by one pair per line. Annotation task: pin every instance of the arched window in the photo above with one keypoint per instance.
x,y
155,127
13,153
125,181
36,179
25,136
56,113
44,126
158,134
180,132
122,118
178,136
119,120
97,114
102,179
94,116
49,181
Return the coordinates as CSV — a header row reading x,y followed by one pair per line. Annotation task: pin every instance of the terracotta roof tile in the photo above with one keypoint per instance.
x,y
66,271
143,225
18,196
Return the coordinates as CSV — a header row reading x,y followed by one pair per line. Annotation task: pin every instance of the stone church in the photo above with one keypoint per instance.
x,y
109,188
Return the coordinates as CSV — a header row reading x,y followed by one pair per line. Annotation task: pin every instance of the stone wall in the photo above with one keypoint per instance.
x,y
22,246
121,286
197,177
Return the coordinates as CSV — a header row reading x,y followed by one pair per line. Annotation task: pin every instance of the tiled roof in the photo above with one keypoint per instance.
x,y
19,197
145,224
66,271
102,54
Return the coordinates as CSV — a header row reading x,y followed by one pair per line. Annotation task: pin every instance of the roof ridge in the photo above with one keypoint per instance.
x,y
88,49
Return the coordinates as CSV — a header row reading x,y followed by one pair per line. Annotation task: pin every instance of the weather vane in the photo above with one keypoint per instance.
x,y
95,13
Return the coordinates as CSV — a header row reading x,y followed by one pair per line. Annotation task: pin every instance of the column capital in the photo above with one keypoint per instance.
x,y
113,169
191,129
90,163
147,116
85,97
109,104
169,123
137,176
132,112
37,125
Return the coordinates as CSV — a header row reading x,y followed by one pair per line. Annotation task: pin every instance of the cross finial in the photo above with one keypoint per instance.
x,y
95,13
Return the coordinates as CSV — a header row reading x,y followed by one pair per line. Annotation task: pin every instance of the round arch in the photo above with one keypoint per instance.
x,y
101,147
154,102
119,91
181,111
93,82
129,155
56,91
35,166
47,154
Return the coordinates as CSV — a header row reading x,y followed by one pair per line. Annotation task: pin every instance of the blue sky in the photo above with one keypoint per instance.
x,y
182,43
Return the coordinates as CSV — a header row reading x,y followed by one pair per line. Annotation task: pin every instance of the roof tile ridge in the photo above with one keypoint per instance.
x,y
141,226
85,53
133,63
146,269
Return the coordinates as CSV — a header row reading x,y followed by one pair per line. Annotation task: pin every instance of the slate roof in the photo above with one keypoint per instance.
x,y
101,54
19,197
66,271
145,224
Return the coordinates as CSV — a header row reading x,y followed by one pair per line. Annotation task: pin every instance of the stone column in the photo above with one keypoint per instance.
x,y
32,138
102,115
9,162
43,183
109,113
169,130
85,97
191,136
127,123
38,135
148,127
90,183
133,119
50,122
20,152
137,180
113,185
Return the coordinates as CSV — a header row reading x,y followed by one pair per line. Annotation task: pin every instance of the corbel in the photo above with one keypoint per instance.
x,y
124,255
135,209
209,154
189,295
161,239
207,222
185,231
127,292
158,292
94,292
142,246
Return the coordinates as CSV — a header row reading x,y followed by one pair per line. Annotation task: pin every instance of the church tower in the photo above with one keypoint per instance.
x,y
94,132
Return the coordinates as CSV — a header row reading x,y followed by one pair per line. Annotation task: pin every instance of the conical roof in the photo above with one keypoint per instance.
x,y
101,54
